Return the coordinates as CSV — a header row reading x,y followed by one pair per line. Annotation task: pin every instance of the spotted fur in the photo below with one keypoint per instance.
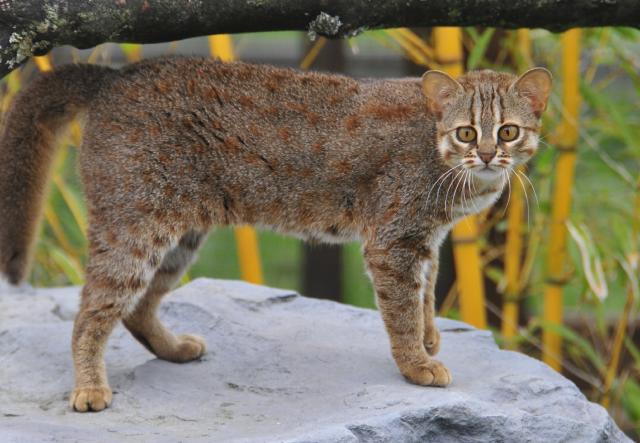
x,y
175,146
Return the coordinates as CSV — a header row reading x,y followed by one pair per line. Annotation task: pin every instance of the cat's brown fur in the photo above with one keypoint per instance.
x,y
174,146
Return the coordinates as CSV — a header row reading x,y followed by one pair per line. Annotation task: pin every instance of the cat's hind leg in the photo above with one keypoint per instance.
x,y
143,322
118,274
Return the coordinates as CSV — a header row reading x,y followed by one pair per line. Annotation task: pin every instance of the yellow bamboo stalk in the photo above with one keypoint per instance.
x,y
56,228
514,241
523,44
466,252
413,53
75,133
13,86
512,265
248,254
43,63
221,46
565,168
415,39
313,53
616,351
413,46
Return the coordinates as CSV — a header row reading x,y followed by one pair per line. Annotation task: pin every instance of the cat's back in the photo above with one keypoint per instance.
x,y
184,80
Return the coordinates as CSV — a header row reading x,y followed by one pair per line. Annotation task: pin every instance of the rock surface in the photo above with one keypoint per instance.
x,y
280,367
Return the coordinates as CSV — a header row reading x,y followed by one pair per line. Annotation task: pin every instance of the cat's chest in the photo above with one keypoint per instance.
x,y
469,203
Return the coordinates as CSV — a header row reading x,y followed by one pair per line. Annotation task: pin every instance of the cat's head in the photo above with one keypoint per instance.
x,y
487,121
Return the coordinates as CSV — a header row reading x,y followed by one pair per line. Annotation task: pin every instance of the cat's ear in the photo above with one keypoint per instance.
x,y
535,86
439,88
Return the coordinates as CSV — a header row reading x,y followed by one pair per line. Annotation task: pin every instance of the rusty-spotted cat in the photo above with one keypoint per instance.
x,y
175,146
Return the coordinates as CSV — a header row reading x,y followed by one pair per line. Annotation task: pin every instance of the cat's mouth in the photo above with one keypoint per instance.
x,y
487,171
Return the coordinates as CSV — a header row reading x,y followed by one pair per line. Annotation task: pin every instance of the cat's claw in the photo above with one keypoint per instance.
x,y
94,398
430,373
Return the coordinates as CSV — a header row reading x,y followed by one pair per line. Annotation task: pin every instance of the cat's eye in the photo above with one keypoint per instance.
x,y
508,133
466,134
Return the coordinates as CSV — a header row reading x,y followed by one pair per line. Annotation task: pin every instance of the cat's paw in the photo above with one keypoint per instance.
x,y
429,373
432,340
94,398
190,347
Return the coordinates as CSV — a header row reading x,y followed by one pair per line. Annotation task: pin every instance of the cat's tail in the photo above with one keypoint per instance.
x,y
26,153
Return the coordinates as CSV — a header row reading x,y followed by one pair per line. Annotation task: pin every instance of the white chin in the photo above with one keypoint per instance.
x,y
487,172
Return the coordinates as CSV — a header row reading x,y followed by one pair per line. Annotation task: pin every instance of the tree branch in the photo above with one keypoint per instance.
x,y
33,27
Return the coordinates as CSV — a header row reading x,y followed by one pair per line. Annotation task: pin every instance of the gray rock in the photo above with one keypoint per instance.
x,y
280,367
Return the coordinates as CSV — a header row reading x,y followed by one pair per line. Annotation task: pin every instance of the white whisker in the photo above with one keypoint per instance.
x,y
526,199
508,179
446,197
455,190
463,199
442,180
472,192
535,194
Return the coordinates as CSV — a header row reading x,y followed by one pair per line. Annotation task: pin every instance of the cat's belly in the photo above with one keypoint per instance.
x,y
314,236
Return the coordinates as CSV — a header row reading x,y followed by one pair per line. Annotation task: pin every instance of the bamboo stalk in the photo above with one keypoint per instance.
x,y
56,228
514,241
414,39
248,254
470,282
523,44
513,266
413,46
313,53
221,47
621,328
616,351
13,86
43,63
561,205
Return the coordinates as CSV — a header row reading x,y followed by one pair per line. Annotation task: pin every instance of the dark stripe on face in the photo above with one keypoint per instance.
x,y
492,102
487,121
471,113
502,108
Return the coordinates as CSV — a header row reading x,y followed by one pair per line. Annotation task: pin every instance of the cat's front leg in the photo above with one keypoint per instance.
x,y
397,274
430,273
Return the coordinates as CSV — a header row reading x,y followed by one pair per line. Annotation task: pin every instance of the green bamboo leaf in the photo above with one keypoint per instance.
x,y
53,221
71,268
627,33
633,350
607,106
631,399
186,278
479,49
583,345
73,202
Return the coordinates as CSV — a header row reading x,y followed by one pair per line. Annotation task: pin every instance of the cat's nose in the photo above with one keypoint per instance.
x,y
486,156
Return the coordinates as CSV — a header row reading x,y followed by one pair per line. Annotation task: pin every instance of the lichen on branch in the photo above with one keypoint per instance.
x,y
32,27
